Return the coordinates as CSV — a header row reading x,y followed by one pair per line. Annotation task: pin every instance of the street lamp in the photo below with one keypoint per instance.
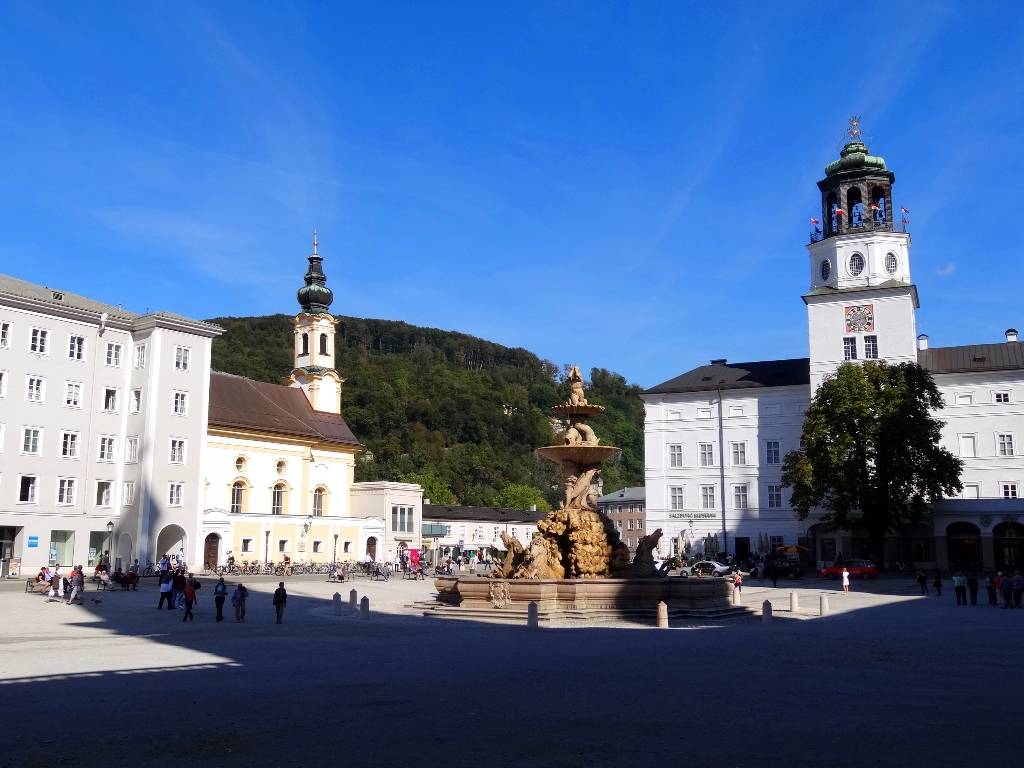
x,y
110,542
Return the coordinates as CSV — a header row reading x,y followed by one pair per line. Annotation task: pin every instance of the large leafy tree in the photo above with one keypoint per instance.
x,y
871,455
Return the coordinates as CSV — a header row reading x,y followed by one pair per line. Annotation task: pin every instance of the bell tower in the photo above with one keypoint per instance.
x,y
862,303
314,340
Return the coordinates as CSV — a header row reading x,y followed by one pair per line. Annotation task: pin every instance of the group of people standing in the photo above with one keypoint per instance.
x,y
179,590
997,585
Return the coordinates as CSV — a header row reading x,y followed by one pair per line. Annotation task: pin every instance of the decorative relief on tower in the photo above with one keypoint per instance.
x,y
860,319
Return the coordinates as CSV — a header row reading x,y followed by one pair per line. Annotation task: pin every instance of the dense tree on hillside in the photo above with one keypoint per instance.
x,y
871,453
457,414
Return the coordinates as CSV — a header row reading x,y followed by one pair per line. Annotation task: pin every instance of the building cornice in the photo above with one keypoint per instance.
x,y
823,294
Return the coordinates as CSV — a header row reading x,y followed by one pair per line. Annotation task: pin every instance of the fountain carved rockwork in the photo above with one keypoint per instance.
x,y
576,541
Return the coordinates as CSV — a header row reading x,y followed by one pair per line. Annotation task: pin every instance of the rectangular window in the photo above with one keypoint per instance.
x,y
967,446
5,335
181,403
964,398
774,496
66,491
629,541
707,497
394,518
479,530
1009,490
69,445
72,394
129,494
1002,397
136,404
38,341
106,448
735,411
318,546
739,454
1005,444
639,525
850,348
3,383
618,524
707,454
110,399
131,450
774,542
401,518
772,452
31,441
677,496
497,533
703,413
140,356
181,358
103,492
515,532
629,525
247,546
282,546
27,489
870,347
174,494
772,409
1,438
34,389
76,347
113,354
675,455
448,531
177,450
739,496
972,491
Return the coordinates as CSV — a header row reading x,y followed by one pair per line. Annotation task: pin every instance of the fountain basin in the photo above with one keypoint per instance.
x,y
583,455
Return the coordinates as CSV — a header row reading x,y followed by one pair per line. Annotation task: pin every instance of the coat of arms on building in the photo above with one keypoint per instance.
x,y
860,319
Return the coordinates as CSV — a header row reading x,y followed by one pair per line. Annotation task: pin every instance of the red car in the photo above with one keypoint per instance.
x,y
859,569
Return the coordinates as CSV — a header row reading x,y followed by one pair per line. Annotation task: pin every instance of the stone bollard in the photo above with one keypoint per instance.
x,y
794,602
662,615
336,608
766,612
364,608
737,596
532,615
353,600
823,605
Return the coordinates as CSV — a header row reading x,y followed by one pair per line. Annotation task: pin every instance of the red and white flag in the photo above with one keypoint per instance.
x,y
815,222
839,212
875,207
905,210
906,220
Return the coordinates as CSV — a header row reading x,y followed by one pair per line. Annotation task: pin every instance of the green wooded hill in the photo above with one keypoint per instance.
x,y
455,413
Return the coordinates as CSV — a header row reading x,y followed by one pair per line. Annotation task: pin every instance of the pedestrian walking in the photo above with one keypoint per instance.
x,y
165,591
737,581
760,572
57,584
846,580
960,588
938,583
990,587
773,574
972,588
190,600
922,580
280,600
178,590
1006,588
77,586
238,601
220,593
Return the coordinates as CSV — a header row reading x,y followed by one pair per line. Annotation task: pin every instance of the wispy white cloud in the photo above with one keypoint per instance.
x,y
947,270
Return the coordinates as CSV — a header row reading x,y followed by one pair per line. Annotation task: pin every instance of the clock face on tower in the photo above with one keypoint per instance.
x,y
859,319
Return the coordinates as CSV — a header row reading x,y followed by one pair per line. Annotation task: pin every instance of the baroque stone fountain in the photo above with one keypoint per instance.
x,y
576,566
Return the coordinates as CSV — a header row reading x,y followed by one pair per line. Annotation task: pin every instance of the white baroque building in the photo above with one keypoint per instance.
x,y
716,435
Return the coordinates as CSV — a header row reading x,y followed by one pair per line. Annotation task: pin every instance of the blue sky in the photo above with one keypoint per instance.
x,y
623,185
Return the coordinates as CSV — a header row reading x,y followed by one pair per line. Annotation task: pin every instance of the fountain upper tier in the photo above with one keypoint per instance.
x,y
581,455
585,409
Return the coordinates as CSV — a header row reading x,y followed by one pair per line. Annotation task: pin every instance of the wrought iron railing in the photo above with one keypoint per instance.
x,y
868,225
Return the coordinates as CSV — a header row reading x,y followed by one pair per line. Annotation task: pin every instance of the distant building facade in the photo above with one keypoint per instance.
x,y
451,530
626,508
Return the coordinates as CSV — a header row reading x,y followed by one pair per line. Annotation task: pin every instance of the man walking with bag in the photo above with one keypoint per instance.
x,y
220,593
280,600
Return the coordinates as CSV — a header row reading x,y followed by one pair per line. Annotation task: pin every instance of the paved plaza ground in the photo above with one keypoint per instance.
x,y
890,679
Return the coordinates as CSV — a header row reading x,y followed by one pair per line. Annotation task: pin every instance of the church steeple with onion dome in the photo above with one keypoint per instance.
x,y
315,297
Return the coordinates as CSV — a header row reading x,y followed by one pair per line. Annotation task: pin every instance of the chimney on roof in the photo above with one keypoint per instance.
x,y
1011,334
720,361
922,341
533,507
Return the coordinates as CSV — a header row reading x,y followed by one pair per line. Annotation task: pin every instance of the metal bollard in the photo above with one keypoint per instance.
x,y
364,608
353,600
662,615
766,612
794,603
532,615
336,607
737,596
823,605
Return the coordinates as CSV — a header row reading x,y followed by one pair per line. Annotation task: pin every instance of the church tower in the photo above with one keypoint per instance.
x,y
314,341
862,303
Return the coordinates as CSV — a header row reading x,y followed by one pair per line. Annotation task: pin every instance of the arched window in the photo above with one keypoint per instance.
x,y
318,502
237,497
891,263
856,264
240,464
305,344
878,204
831,220
277,500
854,207
323,344
281,467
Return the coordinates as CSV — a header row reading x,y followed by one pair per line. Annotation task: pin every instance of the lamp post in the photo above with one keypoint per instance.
x,y
110,542
305,536
335,560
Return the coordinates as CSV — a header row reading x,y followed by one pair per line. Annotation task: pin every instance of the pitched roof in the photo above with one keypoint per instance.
x,y
624,494
16,287
1008,356
483,514
242,403
764,373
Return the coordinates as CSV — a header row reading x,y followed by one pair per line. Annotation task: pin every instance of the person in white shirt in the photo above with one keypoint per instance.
x,y
846,580
57,583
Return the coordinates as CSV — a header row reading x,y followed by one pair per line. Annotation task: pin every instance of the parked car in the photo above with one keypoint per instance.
x,y
705,568
859,569
784,568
